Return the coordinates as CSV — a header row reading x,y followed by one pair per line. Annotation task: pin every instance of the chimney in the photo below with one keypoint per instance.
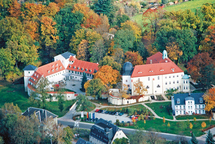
x,y
150,61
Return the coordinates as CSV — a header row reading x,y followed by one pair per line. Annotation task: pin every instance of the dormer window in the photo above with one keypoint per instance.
x,y
201,100
90,70
53,66
37,76
178,101
173,69
72,61
34,74
78,68
85,69
49,71
56,68
74,67
56,64
60,67
52,70
82,69
69,66
162,70
158,86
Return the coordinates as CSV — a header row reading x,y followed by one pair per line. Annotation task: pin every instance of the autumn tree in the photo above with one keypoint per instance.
x,y
107,60
108,75
203,125
139,88
134,58
207,10
118,55
164,120
173,51
83,50
191,125
207,76
51,10
197,64
94,88
14,9
98,51
4,6
83,103
209,98
104,26
121,19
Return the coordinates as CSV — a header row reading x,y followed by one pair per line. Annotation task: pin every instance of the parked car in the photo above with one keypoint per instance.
x,y
107,112
100,111
113,113
96,110
104,111
120,114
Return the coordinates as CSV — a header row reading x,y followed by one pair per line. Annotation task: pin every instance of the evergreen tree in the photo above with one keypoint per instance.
x,y
193,140
60,102
209,139
84,80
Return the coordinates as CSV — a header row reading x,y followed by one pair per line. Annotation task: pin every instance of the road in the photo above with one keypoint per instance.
x,y
170,137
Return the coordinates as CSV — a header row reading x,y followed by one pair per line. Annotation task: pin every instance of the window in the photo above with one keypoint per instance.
x,y
56,64
158,86
78,68
49,71
166,83
177,81
148,78
147,87
169,82
82,69
128,85
85,69
165,77
60,67
90,70
69,71
74,67
177,75
52,70
126,81
173,76
56,68
173,82
169,76
158,77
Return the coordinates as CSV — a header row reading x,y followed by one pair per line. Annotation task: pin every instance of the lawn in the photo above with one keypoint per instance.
x,y
138,109
185,117
16,94
175,127
162,109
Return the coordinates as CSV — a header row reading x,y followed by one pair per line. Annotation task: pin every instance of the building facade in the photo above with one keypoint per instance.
x,y
188,104
158,75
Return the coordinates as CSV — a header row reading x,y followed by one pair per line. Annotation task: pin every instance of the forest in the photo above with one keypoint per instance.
x,y
33,32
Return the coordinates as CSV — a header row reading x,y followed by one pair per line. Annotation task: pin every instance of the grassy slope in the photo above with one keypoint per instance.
x,y
192,5
10,93
160,109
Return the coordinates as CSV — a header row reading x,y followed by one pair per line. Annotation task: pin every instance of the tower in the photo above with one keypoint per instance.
x,y
126,75
28,72
164,54
186,83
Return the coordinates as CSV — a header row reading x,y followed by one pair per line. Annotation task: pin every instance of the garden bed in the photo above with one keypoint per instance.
x,y
184,117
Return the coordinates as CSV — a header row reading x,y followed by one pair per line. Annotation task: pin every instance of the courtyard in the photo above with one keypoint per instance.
x,y
74,85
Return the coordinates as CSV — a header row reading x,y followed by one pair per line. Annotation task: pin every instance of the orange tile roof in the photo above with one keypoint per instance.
x,y
83,66
155,69
157,58
66,92
72,58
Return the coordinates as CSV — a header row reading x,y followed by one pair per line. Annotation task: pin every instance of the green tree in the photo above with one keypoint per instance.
x,y
84,80
193,140
68,135
139,46
165,1
138,137
107,60
83,103
4,6
209,139
98,51
185,40
124,39
121,141
61,102
121,19
207,76
94,88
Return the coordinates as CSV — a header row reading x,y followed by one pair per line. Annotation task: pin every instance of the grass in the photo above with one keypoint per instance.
x,y
185,117
161,109
175,127
16,94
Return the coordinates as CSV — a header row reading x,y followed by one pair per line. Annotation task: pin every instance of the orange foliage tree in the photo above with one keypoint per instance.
x,y
32,28
51,10
32,11
91,19
173,51
134,58
139,88
209,98
108,75
14,9
83,52
197,63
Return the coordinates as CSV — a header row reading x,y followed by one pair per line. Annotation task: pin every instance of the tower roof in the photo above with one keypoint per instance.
x,y
127,68
30,67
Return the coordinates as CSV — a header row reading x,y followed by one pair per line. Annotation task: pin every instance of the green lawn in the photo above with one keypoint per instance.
x,y
16,94
175,127
161,109
192,117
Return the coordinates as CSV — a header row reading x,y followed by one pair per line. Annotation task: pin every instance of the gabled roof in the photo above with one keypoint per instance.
x,y
30,67
186,96
66,55
42,114
157,58
103,130
155,69
83,66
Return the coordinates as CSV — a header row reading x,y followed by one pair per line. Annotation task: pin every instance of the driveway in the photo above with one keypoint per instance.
x,y
74,85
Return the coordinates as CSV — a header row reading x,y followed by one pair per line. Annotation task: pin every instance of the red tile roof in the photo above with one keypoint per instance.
x,y
155,69
157,58
72,58
82,66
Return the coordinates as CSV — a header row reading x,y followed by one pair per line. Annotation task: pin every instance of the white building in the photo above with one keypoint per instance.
x,y
188,104
104,132
158,75
64,67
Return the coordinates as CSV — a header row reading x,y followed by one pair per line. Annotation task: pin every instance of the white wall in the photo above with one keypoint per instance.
x,y
119,134
27,75
185,85
127,81
190,106
64,61
160,83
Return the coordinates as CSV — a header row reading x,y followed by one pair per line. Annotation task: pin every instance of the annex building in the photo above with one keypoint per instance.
x,y
65,67
158,75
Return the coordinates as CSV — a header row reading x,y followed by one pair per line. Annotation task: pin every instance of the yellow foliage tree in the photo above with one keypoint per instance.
x,y
173,51
144,121
15,9
51,10
132,26
194,119
83,53
209,98
164,120
168,124
139,88
191,126
203,125
32,28
108,75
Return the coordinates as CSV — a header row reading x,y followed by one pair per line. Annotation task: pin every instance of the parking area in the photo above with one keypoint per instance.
x,y
74,85
112,118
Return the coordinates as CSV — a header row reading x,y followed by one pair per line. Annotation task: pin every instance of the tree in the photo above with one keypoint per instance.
x,y
108,75
165,1
121,19
4,6
198,63
168,124
140,48
184,39
209,98
152,136
107,60
193,140
60,102
121,141
83,104
118,55
51,10
14,9
98,51
173,51
84,80
68,135
191,126
104,26
164,120
194,119
134,58
138,137
124,39
94,88
207,76
83,50
139,88
209,139
203,125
